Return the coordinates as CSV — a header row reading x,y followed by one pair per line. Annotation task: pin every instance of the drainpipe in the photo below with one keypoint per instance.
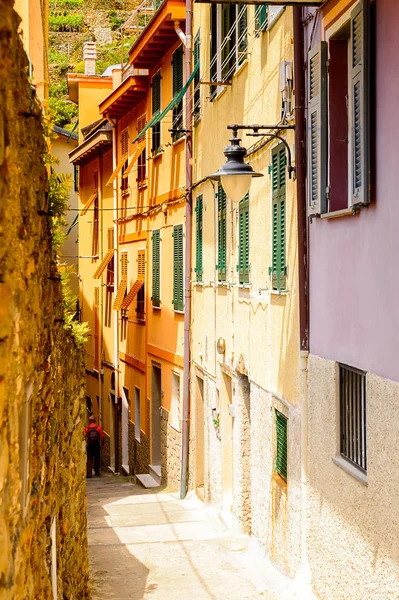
x,y
300,146
116,281
303,281
187,257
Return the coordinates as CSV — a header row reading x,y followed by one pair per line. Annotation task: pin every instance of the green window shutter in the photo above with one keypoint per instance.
x,y
222,252
278,269
261,17
156,268
281,445
177,70
156,93
317,129
198,255
178,289
197,86
226,41
360,105
243,241
242,13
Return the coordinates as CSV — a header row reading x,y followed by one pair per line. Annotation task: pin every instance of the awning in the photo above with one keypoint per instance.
x,y
120,294
175,100
89,203
118,169
132,294
104,264
133,159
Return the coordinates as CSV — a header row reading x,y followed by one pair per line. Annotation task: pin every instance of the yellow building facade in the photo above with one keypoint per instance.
x,y
247,381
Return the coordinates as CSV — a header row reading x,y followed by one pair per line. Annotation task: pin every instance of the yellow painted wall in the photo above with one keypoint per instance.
x,y
261,326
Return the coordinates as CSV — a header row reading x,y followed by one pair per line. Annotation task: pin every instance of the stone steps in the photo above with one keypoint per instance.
x,y
147,481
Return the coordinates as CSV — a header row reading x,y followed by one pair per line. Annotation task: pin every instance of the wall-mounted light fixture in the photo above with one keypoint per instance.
x,y
221,346
236,175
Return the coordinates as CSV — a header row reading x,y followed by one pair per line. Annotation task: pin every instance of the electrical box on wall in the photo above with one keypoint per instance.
x,y
286,85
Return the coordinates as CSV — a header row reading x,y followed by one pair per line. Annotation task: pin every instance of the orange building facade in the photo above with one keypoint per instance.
x,y
131,248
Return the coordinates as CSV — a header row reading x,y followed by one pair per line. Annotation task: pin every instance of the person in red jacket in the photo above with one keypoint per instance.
x,y
94,443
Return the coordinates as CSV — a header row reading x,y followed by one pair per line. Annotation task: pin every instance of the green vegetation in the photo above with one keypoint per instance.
x,y
115,21
65,22
66,4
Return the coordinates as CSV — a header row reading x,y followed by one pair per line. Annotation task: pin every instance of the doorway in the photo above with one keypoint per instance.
x,y
227,427
156,415
199,438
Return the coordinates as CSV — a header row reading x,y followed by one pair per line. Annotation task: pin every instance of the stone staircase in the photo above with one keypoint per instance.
x,y
152,479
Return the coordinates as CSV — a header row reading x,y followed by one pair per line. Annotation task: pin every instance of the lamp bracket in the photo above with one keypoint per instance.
x,y
257,133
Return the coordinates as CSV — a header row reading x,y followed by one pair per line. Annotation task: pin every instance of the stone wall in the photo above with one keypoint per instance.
x,y
170,452
42,453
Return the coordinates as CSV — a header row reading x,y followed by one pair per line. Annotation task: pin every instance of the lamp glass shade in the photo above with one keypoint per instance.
x,y
236,186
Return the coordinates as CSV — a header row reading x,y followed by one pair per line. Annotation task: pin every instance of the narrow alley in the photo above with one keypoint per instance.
x,y
150,544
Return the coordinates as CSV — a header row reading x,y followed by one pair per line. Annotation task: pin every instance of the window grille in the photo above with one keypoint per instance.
x,y
352,399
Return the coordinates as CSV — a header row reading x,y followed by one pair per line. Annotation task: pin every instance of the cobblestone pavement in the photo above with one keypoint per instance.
x,y
146,544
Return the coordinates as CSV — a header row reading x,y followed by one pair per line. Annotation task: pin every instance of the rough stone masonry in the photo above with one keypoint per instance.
x,y
43,542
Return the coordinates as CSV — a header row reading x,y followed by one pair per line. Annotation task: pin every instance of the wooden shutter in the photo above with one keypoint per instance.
x,y
278,269
317,129
125,142
156,93
226,41
156,270
261,17
281,445
177,69
360,104
141,265
221,266
242,15
197,86
178,291
243,244
198,254
124,262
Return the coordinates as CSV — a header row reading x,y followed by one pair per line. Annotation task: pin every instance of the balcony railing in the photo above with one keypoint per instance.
x,y
136,24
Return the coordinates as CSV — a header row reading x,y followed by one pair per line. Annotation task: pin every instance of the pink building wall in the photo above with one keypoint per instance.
x,y
354,260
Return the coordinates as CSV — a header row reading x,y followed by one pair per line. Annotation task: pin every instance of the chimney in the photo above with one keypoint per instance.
x,y
89,57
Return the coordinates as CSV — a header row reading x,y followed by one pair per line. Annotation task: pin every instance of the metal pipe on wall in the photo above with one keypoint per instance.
x,y
187,259
116,280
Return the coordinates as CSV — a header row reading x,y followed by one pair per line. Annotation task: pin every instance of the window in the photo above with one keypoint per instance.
x,y
110,266
222,251
177,70
352,401
156,109
229,41
140,309
121,291
178,283
197,85
125,151
137,413
266,16
280,466
94,249
156,268
198,238
243,240
175,402
76,178
142,159
278,270
338,100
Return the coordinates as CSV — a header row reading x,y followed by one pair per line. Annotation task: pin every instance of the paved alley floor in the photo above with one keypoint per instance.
x,y
150,544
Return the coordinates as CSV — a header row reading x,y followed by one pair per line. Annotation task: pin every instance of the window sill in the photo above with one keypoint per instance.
x,y
350,469
178,141
198,283
280,481
124,193
156,307
244,286
278,293
141,185
156,154
179,312
345,212
241,67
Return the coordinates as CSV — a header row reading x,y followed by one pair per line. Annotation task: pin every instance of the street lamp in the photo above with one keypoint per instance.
x,y
236,175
